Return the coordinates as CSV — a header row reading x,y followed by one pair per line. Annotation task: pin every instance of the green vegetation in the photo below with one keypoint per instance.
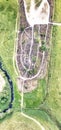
x,y
57,10
42,117
34,98
37,39
54,83
5,96
32,72
8,14
18,122
22,29
54,97
37,3
42,48
28,2
34,59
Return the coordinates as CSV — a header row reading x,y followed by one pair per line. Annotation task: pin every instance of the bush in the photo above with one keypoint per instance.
x,y
42,48
43,42
34,59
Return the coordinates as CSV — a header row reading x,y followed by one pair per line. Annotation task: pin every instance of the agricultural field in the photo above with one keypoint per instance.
x,y
43,103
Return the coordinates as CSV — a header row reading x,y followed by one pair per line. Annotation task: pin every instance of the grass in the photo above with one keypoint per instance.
x,y
34,98
42,117
54,98
28,2
17,122
5,95
57,14
8,14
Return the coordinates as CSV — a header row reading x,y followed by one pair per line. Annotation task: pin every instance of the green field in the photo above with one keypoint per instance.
x,y
54,96
8,14
36,97
43,118
54,84
17,122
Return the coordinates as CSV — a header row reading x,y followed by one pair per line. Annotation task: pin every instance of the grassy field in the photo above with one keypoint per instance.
x,y
57,14
17,122
8,14
43,118
34,98
54,97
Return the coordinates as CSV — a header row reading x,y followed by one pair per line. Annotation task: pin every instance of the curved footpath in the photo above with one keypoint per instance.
x,y
38,123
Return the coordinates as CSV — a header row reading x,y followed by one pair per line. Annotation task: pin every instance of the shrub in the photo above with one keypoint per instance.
x,y
34,59
42,48
43,42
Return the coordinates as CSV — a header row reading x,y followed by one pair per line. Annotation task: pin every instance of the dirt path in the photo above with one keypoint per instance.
x,y
38,123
